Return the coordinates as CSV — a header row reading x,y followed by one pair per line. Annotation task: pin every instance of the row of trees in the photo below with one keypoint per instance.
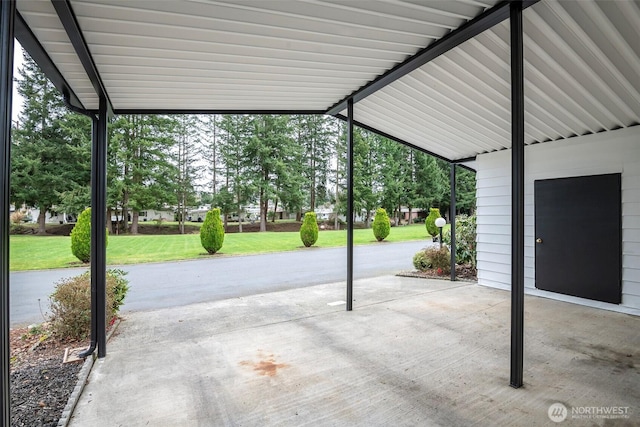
x,y
230,161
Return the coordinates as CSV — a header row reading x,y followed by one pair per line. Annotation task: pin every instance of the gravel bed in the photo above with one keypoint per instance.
x,y
40,391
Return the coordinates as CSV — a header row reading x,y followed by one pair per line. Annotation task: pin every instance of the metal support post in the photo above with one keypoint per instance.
x,y
7,19
517,196
452,218
98,225
350,205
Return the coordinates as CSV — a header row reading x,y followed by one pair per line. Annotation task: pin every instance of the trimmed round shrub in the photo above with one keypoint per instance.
x,y
70,303
381,225
212,232
430,222
81,237
309,229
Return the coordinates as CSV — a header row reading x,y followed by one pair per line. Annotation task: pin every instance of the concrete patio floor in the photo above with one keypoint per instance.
x,y
413,352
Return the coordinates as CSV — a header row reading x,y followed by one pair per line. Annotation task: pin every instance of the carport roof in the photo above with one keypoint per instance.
x,y
433,74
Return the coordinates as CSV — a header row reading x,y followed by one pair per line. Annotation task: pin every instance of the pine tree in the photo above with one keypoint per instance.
x,y
50,154
266,156
141,174
234,136
186,154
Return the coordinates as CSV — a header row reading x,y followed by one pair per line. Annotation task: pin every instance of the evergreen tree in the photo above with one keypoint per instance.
x,y
314,134
141,174
465,191
267,152
186,154
50,154
211,150
234,135
366,165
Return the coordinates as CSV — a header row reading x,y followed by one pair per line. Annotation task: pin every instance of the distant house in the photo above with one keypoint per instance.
x,y
145,215
51,217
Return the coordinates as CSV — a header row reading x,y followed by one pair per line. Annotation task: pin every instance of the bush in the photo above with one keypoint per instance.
x,y
212,232
381,225
81,237
465,239
420,261
17,217
430,222
440,259
70,303
309,229
435,258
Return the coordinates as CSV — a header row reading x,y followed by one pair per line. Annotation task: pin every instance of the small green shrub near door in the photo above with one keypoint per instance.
x,y
309,229
381,225
212,232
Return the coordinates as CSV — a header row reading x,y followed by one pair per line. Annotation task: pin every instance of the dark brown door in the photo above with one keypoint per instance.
x,y
579,236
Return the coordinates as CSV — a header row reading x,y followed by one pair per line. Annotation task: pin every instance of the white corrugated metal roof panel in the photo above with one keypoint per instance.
x,y
253,54
582,75
43,21
582,63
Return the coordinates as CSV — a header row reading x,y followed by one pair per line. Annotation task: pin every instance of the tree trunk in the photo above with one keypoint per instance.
x,y
275,209
367,220
109,222
181,212
134,222
41,221
263,212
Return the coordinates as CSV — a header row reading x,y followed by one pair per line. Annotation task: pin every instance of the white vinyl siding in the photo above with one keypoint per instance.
x,y
603,153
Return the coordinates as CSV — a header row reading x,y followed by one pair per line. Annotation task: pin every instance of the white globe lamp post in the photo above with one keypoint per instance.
x,y
440,222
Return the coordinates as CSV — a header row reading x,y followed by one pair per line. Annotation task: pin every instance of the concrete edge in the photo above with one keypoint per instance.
x,y
83,377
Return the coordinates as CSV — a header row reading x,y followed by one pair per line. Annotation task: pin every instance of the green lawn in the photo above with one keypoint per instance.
x,y
36,252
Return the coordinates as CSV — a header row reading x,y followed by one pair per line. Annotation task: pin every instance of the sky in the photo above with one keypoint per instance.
x,y
17,99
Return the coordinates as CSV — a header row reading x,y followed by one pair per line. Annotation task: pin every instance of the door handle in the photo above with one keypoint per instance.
x,y
538,240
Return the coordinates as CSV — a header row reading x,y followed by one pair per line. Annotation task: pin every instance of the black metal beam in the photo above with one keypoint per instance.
x,y
466,159
482,22
517,196
98,225
32,45
167,112
452,218
7,20
71,26
350,205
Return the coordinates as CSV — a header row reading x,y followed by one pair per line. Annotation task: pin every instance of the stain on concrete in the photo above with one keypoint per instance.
x,y
266,366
